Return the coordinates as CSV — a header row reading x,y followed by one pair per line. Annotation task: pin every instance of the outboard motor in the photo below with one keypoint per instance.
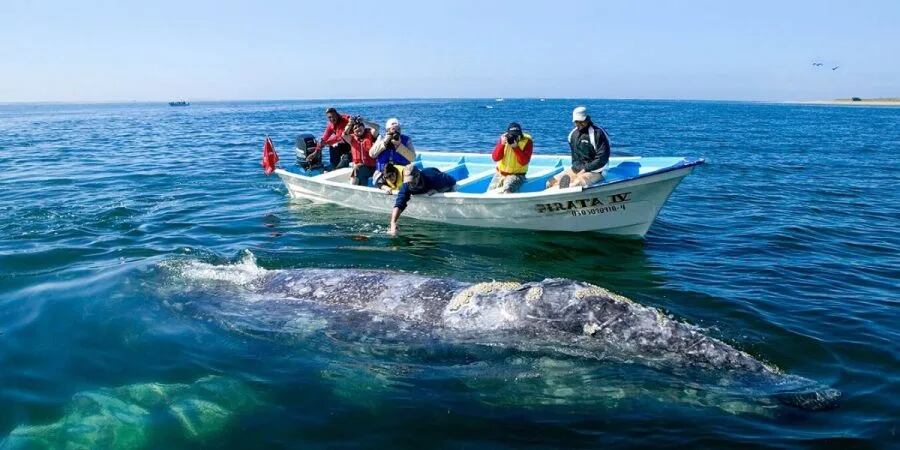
x,y
306,143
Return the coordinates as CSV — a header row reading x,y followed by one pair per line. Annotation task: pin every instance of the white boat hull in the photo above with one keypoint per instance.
x,y
626,208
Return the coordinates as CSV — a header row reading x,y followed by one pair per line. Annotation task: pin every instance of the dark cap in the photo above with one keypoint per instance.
x,y
514,128
331,110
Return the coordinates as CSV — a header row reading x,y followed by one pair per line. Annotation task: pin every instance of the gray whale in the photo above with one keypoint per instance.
x,y
565,315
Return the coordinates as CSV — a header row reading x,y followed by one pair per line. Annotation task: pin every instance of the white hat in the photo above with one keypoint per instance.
x,y
579,114
392,122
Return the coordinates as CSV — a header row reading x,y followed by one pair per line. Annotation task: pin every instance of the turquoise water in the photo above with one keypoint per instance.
x,y
126,230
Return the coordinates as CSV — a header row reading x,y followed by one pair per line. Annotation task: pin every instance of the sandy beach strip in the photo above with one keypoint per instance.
x,y
850,102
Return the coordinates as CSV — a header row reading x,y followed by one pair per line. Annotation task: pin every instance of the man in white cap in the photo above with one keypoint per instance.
x,y
590,153
392,148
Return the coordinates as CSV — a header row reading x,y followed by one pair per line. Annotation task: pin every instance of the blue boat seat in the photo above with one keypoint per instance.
x,y
538,182
458,172
623,171
475,184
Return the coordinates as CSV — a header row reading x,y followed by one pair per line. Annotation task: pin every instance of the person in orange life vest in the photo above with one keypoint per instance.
x,y
338,150
512,153
590,153
361,136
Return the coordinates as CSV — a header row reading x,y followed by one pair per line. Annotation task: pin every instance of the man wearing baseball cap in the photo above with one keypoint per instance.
x,y
590,153
392,148
417,182
512,153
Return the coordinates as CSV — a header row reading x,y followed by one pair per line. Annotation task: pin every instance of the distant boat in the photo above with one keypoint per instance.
x,y
487,107
180,103
542,99
499,99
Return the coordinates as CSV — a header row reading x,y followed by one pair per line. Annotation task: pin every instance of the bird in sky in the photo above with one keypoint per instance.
x,y
817,64
835,68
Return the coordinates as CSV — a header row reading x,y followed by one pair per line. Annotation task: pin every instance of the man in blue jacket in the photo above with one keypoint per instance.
x,y
417,182
392,148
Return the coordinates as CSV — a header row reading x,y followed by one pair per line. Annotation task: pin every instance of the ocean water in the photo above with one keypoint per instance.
x,y
128,231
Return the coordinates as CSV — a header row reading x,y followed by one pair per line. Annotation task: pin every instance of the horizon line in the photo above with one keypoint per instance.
x,y
350,99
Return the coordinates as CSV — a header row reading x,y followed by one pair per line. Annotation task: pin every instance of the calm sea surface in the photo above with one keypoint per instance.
x,y
784,245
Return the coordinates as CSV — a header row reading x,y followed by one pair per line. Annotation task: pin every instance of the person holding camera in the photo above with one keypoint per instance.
x,y
338,150
512,154
590,153
361,137
392,148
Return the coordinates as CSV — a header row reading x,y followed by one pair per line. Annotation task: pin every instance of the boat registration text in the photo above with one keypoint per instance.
x,y
586,206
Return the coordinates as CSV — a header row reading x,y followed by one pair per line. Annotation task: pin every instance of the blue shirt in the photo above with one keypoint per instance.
x,y
391,155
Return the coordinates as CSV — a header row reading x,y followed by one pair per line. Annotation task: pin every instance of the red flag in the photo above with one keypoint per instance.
x,y
269,157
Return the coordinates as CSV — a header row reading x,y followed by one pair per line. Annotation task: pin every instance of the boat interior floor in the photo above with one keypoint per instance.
x,y
474,178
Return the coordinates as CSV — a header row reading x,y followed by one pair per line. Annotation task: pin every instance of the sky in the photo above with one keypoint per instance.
x,y
160,50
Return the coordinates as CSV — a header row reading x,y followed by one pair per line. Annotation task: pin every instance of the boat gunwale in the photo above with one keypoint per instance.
x,y
686,162
550,196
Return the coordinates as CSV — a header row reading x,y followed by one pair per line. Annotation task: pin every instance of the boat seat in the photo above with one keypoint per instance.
x,y
623,171
538,182
339,174
456,169
458,172
477,183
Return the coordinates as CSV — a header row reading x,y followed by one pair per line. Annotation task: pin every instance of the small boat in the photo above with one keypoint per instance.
x,y
625,203
180,103
499,99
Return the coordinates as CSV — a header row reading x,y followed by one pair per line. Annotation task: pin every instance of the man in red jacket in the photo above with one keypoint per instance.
x,y
361,135
339,151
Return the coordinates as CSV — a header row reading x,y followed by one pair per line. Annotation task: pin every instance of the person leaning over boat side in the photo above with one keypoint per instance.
x,y
590,153
338,150
394,148
415,182
512,153
361,136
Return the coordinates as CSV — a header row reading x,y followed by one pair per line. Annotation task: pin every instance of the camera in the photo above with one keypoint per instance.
x,y
394,136
512,138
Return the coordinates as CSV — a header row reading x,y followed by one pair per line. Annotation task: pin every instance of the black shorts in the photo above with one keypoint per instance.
x,y
339,155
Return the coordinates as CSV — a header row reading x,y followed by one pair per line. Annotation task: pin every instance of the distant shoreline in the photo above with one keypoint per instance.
x,y
852,102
